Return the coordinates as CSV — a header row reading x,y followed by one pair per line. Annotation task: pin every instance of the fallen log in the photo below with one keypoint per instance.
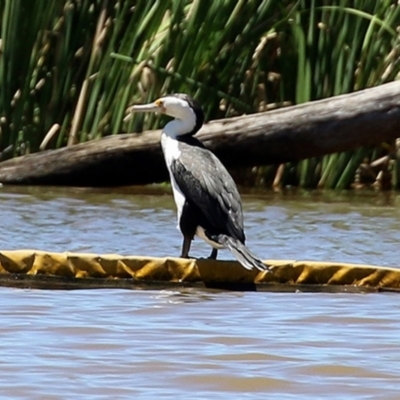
x,y
366,117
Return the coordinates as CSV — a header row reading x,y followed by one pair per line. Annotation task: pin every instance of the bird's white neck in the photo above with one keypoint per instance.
x,y
178,127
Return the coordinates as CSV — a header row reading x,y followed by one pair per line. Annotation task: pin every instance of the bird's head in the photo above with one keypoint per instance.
x,y
189,116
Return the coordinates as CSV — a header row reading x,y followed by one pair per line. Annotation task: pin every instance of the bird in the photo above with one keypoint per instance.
x,y
207,199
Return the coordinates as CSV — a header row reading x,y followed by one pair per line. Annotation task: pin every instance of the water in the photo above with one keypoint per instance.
x,y
199,344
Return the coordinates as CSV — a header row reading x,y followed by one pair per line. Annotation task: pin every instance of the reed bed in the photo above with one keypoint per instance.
x,y
69,69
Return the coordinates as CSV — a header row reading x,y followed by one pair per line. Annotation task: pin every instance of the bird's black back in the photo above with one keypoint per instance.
x,y
208,186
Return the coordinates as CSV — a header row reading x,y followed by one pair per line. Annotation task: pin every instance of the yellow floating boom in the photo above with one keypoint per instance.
x,y
40,269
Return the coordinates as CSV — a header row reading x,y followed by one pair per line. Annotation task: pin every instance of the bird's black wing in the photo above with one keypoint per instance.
x,y
207,184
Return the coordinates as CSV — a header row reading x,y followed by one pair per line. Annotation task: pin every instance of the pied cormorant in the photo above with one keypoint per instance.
x,y
207,200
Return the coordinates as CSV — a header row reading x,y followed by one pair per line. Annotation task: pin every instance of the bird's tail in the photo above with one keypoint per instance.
x,y
242,253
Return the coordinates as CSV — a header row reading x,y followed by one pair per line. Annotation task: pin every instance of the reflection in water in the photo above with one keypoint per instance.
x,y
191,343
183,295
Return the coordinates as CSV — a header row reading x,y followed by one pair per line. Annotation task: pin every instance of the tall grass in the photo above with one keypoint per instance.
x,y
70,70
88,59
341,49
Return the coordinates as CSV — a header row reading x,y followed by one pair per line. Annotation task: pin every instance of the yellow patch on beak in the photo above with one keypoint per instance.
x,y
159,103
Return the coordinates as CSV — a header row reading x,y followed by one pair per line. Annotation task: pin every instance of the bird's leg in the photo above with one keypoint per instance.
x,y
213,255
186,246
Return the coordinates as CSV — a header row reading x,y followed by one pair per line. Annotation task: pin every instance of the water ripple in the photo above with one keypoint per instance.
x,y
199,344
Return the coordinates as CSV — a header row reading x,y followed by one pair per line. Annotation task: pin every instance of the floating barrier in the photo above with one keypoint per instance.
x,y
45,270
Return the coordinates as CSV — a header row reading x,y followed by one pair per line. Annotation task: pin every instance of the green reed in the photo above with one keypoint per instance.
x,y
340,49
70,70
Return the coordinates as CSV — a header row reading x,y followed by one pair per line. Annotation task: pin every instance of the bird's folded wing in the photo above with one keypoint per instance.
x,y
204,180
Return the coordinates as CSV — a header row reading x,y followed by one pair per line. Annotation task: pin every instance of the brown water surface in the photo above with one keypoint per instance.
x,y
198,344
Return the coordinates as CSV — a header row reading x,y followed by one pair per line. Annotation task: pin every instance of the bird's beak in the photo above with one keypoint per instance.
x,y
157,106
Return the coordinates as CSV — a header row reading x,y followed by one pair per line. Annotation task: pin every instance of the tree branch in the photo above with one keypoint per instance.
x,y
366,117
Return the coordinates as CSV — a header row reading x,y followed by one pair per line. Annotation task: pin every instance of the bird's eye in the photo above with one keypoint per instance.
x,y
158,103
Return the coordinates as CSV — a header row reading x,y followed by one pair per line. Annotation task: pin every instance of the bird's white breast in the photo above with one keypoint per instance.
x,y
170,148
